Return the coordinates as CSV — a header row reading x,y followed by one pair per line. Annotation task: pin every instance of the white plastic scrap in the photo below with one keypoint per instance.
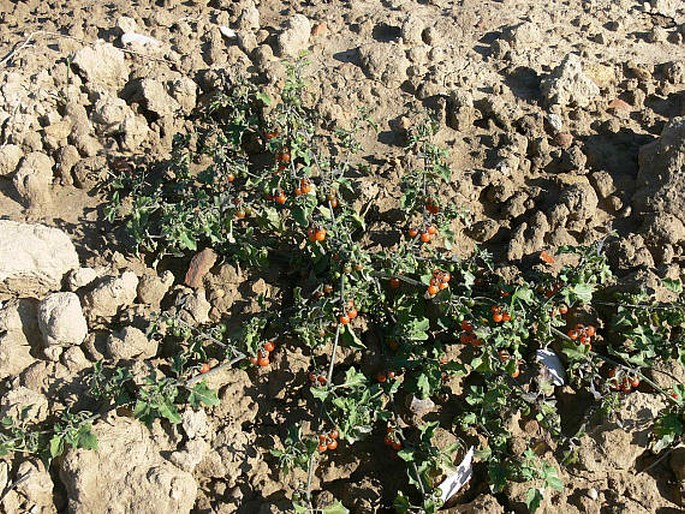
x,y
132,37
226,32
551,364
453,483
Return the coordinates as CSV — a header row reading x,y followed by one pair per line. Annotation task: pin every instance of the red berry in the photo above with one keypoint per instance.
x,y
269,346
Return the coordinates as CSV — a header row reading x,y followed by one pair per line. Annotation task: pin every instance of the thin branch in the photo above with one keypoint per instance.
x,y
18,47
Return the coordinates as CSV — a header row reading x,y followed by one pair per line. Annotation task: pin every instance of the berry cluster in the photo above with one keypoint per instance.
x,y
317,378
316,234
328,441
262,358
499,315
626,383
382,376
439,282
349,313
583,334
425,235
467,336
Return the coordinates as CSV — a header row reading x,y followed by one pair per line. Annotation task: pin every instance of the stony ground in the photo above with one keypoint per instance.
x,y
563,123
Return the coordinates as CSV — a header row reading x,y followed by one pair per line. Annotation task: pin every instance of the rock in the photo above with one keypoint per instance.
x,y
662,232
195,423
525,35
295,38
483,230
109,112
677,462
199,266
74,359
131,343
249,18
320,29
529,237
102,65
193,308
61,320
15,353
33,180
152,288
184,91
36,488
126,25
660,187
156,99
603,183
18,333
81,277
189,457
412,30
125,474
568,85
576,206
33,259
484,504
10,155
67,157
134,130
23,404
385,62
110,295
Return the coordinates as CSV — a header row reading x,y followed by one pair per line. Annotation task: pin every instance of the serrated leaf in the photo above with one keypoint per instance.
x,y
202,394
320,393
187,242
353,378
169,411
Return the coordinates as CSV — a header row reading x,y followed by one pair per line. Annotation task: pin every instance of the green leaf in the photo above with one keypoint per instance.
x,y
187,242
169,411
336,508
87,438
582,292
534,499
423,386
56,446
320,393
354,378
202,394
349,338
674,285
406,455
263,97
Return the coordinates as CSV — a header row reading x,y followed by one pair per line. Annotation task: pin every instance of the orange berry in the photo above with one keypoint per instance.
x,y
497,317
432,290
432,230
413,232
344,320
425,237
320,235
